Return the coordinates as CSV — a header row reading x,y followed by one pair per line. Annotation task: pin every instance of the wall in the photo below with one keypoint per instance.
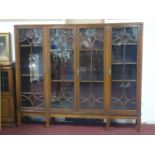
x,y
148,78
83,21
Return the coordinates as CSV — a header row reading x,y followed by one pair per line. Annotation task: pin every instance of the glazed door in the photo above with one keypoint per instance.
x,y
31,68
124,67
62,68
5,81
90,69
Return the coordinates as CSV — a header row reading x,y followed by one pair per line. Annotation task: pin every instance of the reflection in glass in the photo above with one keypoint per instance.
x,y
3,46
31,68
91,95
62,54
117,54
130,72
124,72
124,35
62,64
124,95
91,38
124,54
131,53
62,95
4,81
91,63
117,72
62,39
30,37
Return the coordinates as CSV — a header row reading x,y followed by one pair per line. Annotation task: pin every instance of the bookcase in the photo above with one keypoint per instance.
x,y
7,94
79,71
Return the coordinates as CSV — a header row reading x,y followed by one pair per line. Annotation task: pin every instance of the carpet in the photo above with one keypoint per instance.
x,y
69,129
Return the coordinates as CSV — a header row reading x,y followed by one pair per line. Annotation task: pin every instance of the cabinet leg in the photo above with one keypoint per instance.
x,y
18,119
47,122
107,123
138,123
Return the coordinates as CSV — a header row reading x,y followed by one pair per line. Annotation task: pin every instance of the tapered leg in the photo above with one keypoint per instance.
x,y
138,123
107,124
18,119
47,121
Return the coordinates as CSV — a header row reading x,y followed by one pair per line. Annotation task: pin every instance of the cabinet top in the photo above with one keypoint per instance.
x,y
78,25
7,64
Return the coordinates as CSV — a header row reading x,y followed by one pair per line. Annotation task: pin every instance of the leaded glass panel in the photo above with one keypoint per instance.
x,y
91,68
31,67
124,68
62,68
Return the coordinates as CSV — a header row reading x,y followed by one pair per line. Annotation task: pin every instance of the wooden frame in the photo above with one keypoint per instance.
x,y
4,47
0,99
7,100
107,113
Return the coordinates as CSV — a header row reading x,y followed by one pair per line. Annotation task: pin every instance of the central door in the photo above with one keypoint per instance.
x,y
91,69
62,69
77,69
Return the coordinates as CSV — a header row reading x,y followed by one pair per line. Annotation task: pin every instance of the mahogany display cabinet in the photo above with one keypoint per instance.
x,y
79,71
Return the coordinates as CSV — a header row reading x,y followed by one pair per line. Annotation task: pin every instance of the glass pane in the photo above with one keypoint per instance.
x,y
124,72
91,65
91,95
130,72
62,95
124,53
4,81
85,65
31,67
117,54
62,65
91,38
124,95
117,72
3,44
124,35
132,34
62,39
30,37
91,68
62,54
131,53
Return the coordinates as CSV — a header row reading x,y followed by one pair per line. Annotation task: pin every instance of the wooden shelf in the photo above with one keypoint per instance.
x,y
57,50
124,44
123,80
40,93
31,45
30,75
126,63
91,49
88,81
62,81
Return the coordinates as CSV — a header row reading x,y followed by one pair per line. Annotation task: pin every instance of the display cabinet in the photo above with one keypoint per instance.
x,y
79,71
7,95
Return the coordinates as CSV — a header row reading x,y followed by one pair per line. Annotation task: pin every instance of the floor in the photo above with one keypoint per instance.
x,y
77,129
